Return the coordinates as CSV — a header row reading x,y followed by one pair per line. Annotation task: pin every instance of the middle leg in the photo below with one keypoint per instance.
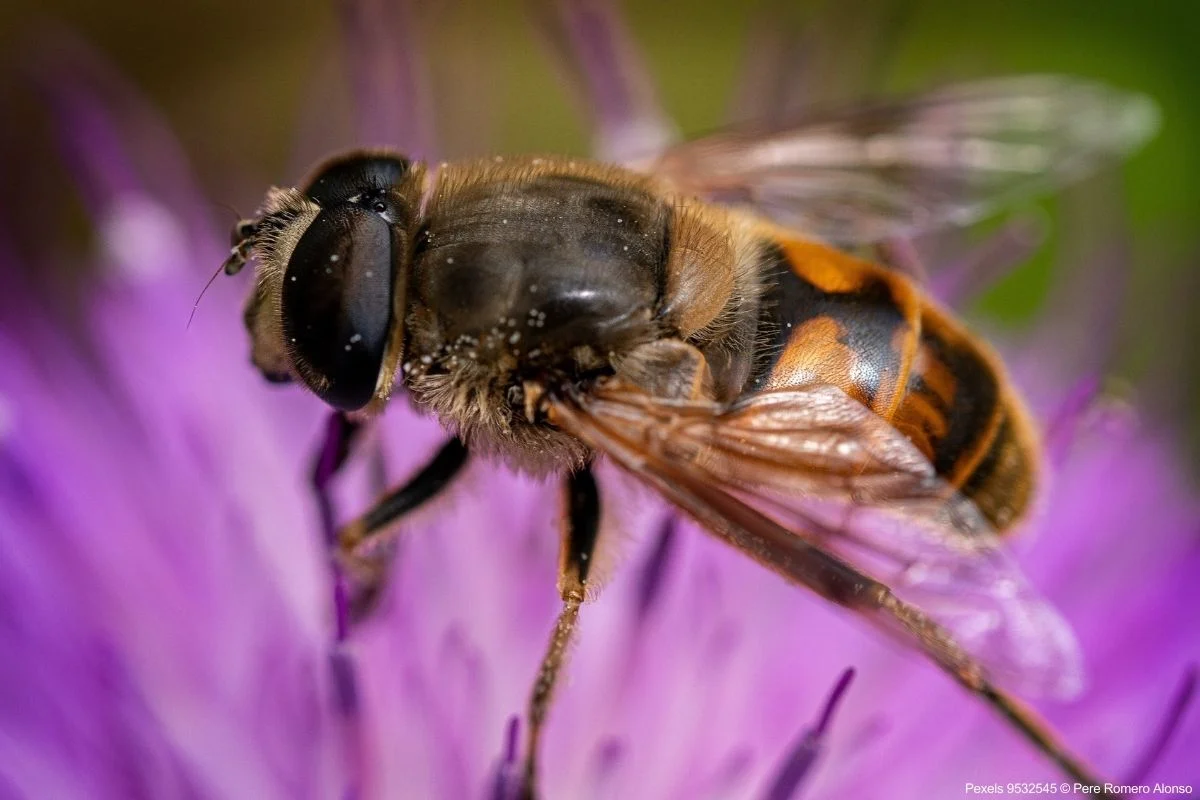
x,y
581,529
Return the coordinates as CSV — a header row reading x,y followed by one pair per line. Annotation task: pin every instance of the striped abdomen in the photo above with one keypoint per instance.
x,y
868,330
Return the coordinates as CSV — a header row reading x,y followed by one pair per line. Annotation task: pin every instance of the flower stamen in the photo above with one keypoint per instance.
x,y
1184,695
799,761
507,781
650,585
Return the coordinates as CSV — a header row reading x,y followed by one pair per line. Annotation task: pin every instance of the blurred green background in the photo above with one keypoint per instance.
x,y
236,80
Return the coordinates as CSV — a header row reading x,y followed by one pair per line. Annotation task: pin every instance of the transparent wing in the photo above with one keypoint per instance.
x,y
798,470
896,169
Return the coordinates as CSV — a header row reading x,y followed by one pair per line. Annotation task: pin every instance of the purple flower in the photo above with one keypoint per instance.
x,y
166,627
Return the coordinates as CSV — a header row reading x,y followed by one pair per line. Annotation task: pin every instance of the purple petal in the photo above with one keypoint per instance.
x,y
164,591
964,279
591,41
1161,740
130,169
383,47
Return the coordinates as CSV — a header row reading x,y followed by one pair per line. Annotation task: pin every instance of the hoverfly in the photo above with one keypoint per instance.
x,y
695,319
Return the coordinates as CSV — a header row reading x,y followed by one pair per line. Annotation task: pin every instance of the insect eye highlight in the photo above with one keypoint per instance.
x,y
337,303
356,176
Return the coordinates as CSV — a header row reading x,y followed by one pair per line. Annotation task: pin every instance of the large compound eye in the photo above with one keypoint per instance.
x,y
337,303
357,175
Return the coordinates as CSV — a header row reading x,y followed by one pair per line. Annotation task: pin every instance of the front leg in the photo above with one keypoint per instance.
x,y
581,529
364,544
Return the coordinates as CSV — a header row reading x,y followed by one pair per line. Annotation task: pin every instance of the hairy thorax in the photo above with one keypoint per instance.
x,y
540,274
